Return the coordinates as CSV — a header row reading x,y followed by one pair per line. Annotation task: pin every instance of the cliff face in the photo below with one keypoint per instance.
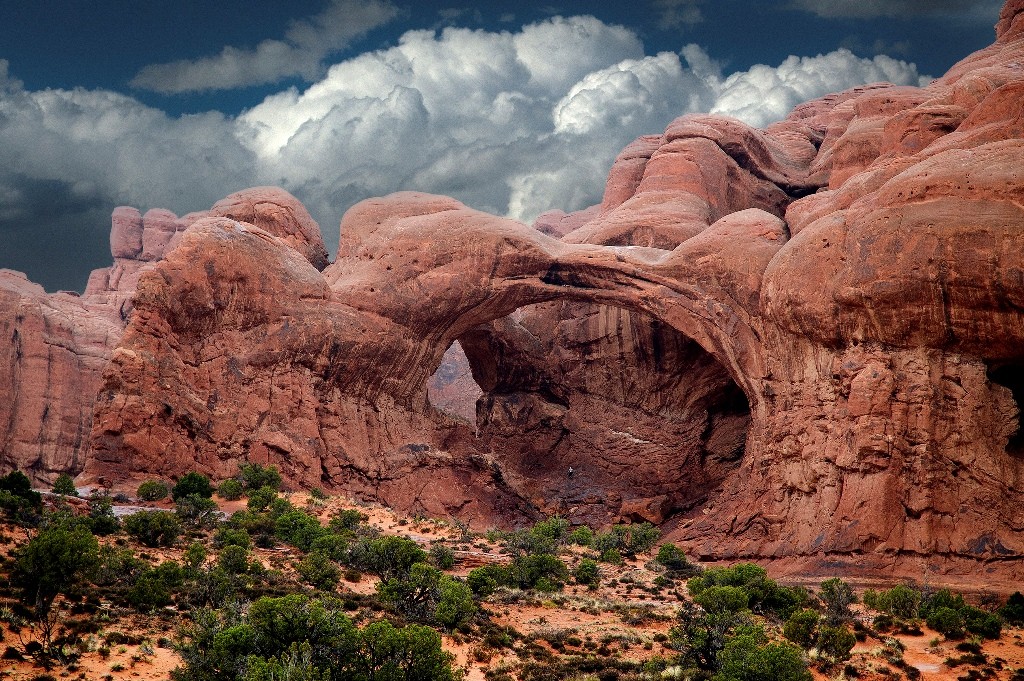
x,y
802,343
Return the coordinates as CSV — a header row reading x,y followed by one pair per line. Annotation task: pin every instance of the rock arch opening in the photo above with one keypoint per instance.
x,y
451,388
599,412
1011,377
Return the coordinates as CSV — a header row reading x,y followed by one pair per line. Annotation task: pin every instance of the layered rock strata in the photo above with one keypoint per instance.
x,y
802,343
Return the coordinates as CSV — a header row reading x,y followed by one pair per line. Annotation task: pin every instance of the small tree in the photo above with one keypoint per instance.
x,y
230,490
588,573
837,597
64,485
836,643
152,490
101,514
255,476
672,558
153,528
192,483
802,628
947,622
319,570
749,657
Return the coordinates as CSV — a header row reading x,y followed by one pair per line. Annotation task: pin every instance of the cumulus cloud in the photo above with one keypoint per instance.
x,y
868,9
513,123
300,53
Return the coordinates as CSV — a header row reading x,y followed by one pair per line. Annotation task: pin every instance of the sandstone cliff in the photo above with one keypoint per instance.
x,y
800,344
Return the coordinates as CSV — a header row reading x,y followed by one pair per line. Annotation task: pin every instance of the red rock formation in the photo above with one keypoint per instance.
x,y
842,293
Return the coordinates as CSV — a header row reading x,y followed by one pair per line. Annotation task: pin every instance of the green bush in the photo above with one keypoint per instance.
x,y
836,644
802,628
587,573
60,558
749,657
194,510
297,637
672,558
347,520
764,594
17,498
387,556
261,499
333,546
192,483
319,570
255,476
629,540
526,571
900,601
64,485
1013,610
230,490
611,556
837,597
153,528
484,580
298,528
152,490
101,514
442,557
720,599
233,560
947,622
230,536
581,536
981,623
148,593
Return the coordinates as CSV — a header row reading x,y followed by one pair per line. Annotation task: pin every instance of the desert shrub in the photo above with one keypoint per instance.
x,y
230,489
982,623
837,597
629,540
152,490
194,510
153,528
17,498
1013,610
387,556
64,485
426,594
319,570
59,559
764,594
261,499
718,599
298,528
836,644
442,557
346,520
748,656
526,572
149,592
484,580
946,621
230,536
581,536
333,546
233,559
587,573
900,601
255,476
101,514
802,628
192,483
673,559
611,556
195,556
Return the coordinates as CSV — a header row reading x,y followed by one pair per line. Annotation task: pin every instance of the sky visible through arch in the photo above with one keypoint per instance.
x,y
513,108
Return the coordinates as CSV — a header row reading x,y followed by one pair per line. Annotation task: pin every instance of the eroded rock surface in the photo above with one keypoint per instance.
x,y
800,344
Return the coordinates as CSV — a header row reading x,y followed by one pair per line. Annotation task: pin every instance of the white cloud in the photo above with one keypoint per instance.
x,y
764,94
513,123
306,43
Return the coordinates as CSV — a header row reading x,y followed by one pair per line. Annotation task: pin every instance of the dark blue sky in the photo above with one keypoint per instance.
x,y
91,116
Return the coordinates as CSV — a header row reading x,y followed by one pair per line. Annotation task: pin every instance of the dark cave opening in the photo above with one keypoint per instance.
x,y
1011,376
